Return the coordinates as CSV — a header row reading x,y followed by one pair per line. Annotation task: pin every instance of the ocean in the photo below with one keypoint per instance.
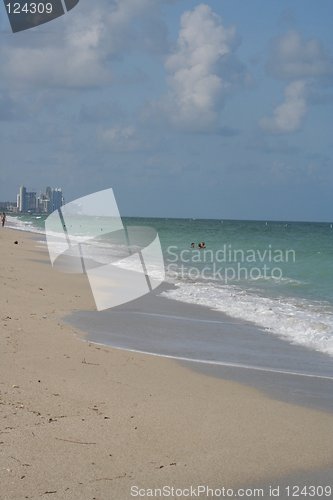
x,y
276,275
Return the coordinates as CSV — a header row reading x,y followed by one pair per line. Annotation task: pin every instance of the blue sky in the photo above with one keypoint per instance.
x,y
218,109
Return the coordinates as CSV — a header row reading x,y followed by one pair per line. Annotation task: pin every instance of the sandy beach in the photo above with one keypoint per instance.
x,y
84,421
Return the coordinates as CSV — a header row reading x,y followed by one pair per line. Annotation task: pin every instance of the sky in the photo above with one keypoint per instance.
x,y
218,109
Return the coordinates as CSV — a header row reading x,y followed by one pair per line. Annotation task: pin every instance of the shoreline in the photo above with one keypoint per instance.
x,y
208,341
84,421
229,349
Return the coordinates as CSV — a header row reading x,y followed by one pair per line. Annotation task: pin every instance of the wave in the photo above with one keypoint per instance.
x,y
296,320
23,225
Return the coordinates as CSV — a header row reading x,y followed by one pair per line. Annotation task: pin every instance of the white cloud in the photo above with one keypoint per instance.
x,y
196,81
72,59
79,48
288,116
305,64
294,57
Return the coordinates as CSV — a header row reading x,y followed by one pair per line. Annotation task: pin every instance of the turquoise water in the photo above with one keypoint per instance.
x,y
292,298
308,272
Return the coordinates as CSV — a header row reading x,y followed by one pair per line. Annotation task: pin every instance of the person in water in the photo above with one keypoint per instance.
x,y
202,244
192,245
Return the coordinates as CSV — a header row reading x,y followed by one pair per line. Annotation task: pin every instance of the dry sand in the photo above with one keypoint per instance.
x,y
81,421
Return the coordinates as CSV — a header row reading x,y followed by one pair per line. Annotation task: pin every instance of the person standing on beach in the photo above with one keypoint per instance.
x,y
3,219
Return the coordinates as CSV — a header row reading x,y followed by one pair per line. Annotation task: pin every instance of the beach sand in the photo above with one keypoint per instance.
x,y
83,421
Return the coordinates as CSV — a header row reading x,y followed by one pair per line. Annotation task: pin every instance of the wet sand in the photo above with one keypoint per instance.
x,y
213,343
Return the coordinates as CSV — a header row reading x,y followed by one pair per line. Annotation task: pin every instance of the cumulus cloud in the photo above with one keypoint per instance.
x,y
197,82
72,59
305,64
288,116
294,57
80,48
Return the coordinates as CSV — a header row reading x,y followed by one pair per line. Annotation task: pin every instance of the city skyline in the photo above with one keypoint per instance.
x,y
45,202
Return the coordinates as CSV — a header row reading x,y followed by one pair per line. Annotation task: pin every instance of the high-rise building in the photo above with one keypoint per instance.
x,y
31,201
48,193
43,204
21,199
57,199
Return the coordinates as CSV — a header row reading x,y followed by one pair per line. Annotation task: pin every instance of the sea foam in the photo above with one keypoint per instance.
x,y
296,320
